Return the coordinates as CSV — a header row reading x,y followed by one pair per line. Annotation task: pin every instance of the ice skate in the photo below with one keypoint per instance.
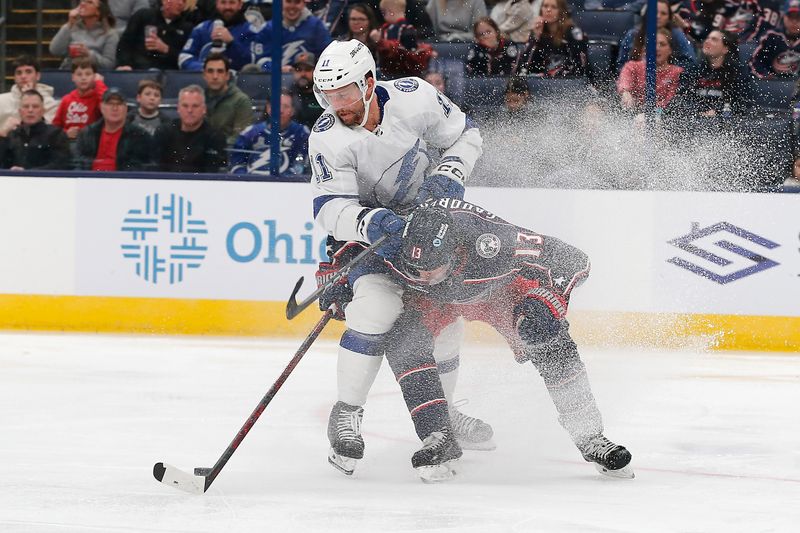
x,y
470,433
344,433
433,461
609,459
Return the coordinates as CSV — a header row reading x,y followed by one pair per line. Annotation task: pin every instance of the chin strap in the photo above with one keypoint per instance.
x,y
366,105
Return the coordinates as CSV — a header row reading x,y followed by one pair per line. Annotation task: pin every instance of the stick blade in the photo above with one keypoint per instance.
x,y
174,477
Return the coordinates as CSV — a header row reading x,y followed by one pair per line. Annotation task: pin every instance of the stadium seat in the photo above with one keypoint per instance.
x,y
605,26
483,92
602,61
128,81
59,80
258,85
774,95
175,80
452,51
558,87
746,51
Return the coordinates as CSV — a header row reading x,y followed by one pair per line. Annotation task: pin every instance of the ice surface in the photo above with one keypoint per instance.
x,y
715,440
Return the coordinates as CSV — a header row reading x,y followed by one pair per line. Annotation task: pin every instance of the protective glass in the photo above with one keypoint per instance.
x,y
343,97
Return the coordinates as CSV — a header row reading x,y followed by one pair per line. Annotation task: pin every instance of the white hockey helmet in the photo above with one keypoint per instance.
x,y
340,64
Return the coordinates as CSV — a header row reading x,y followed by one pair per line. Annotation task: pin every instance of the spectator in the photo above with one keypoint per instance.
x,y
631,82
453,19
26,77
303,89
123,11
778,52
229,110
752,19
720,85
190,144
438,80
701,17
229,33
556,46
361,22
154,37
251,153
34,144
81,107
332,13
417,16
89,32
514,18
113,143
302,32
146,115
491,55
517,103
399,53
631,47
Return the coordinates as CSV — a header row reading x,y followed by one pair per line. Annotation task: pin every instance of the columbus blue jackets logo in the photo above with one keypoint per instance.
x,y
488,245
407,85
325,122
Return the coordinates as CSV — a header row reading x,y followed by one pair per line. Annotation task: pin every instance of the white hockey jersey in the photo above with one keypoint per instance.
x,y
354,168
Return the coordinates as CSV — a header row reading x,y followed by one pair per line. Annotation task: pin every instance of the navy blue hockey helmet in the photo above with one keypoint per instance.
x,y
429,243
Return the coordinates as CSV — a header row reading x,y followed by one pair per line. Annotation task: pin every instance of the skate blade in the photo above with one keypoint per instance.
x,y
345,465
485,446
436,473
626,472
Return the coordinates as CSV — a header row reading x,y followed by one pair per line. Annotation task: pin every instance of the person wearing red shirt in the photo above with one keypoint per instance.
x,y
631,82
81,107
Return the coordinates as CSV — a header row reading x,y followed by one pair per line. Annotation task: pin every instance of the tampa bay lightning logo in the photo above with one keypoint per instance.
x,y
325,122
407,85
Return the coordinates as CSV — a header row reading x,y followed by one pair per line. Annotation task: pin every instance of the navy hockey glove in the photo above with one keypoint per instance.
x,y
339,293
444,182
385,222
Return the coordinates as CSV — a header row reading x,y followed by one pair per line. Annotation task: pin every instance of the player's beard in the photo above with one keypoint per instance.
x,y
349,117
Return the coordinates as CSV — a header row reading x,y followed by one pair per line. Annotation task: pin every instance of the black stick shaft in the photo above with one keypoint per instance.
x,y
309,340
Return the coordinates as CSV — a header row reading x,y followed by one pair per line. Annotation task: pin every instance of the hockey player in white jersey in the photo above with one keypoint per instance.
x,y
379,150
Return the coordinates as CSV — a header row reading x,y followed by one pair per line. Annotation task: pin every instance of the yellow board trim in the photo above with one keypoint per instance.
x,y
259,318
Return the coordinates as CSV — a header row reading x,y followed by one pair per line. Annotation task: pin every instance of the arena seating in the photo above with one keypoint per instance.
x,y
59,80
774,96
605,26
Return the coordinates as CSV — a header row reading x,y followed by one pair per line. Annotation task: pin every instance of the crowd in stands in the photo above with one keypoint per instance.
x,y
214,126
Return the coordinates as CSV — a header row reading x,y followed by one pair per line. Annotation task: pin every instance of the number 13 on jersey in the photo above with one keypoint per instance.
x,y
528,244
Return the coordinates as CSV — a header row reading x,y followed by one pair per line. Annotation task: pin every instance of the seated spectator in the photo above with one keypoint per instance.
x,y
438,80
251,153
491,55
89,32
229,33
453,19
147,115
778,52
189,144
631,81
81,107
720,85
333,14
113,143
399,53
514,18
556,46
123,11
302,32
361,22
750,20
154,37
34,144
701,17
229,110
417,16
26,77
631,47
517,102
303,89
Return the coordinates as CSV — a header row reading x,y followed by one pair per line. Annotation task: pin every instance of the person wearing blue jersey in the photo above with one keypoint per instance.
x,y
229,33
778,52
251,152
302,32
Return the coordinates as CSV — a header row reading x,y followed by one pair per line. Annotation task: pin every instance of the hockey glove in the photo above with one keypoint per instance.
x,y
446,181
339,293
385,222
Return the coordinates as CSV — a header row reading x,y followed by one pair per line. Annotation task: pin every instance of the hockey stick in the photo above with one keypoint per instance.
x,y
293,308
204,477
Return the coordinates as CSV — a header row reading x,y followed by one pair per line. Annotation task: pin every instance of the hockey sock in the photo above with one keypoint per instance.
x,y
359,360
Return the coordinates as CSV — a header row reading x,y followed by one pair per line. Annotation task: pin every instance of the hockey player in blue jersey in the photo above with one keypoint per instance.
x,y
302,32
251,152
778,52
230,34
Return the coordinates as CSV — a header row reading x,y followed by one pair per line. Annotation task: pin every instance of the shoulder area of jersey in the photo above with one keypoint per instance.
x,y
455,205
325,122
406,85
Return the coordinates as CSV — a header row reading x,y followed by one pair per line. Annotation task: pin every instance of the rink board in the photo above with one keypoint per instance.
x,y
217,257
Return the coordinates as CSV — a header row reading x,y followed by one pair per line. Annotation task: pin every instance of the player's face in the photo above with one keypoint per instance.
x,y
26,77
149,99
31,110
550,12
83,78
348,104
435,276
486,36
